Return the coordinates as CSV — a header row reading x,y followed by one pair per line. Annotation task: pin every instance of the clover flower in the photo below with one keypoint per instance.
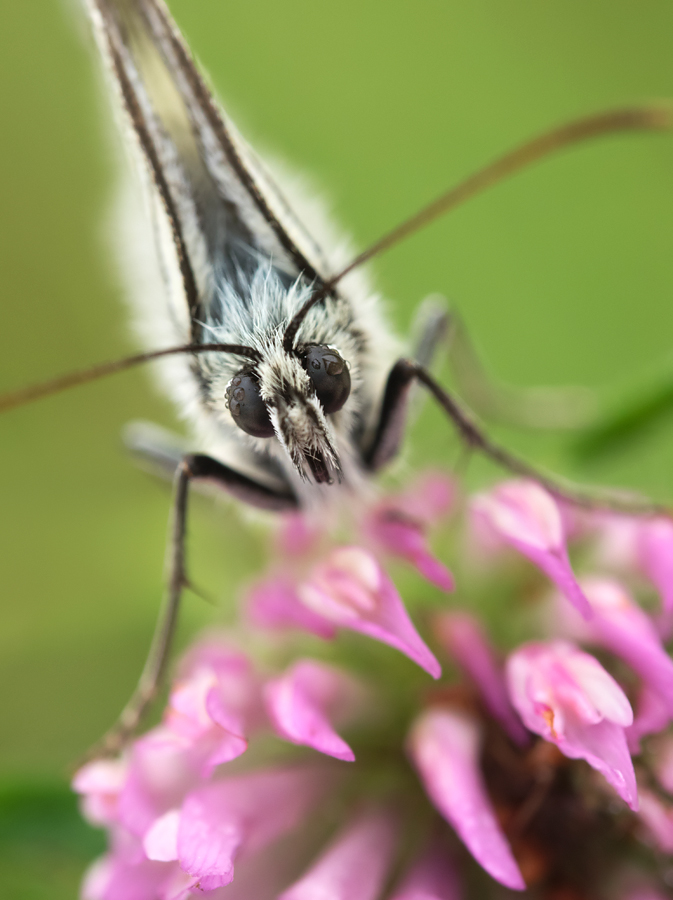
x,y
318,752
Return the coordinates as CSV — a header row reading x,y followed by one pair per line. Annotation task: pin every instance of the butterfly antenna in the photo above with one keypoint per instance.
x,y
645,117
32,392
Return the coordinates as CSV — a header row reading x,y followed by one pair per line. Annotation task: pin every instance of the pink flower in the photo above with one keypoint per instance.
x,y
662,761
398,524
432,877
355,865
349,589
162,768
428,499
274,604
615,547
211,706
626,543
567,697
100,782
298,535
463,637
528,518
655,555
444,746
651,717
318,588
126,874
236,815
622,627
301,701
657,819
214,704
182,824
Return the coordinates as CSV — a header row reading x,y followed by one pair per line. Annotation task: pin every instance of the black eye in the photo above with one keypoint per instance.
x,y
250,412
330,376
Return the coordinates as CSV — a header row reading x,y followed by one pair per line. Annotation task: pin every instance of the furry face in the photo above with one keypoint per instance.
x,y
295,397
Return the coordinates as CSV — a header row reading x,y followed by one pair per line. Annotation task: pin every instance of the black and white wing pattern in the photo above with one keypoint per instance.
x,y
223,211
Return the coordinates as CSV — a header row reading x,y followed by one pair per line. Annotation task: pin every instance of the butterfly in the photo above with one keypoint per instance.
x,y
272,344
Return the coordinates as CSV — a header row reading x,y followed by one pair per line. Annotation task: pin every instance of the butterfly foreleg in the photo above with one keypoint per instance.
x,y
192,468
390,432
440,325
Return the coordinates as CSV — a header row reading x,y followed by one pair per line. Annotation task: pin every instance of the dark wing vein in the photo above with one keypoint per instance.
x,y
175,52
121,66
223,221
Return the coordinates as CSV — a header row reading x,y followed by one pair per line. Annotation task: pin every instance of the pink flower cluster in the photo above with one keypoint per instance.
x,y
389,760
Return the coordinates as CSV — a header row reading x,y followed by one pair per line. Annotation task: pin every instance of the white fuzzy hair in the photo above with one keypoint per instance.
x,y
161,319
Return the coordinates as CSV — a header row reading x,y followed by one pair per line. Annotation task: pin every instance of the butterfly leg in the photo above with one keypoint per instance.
x,y
538,408
393,416
193,467
390,432
394,407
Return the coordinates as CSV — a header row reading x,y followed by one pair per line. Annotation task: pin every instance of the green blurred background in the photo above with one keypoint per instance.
x,y
564,275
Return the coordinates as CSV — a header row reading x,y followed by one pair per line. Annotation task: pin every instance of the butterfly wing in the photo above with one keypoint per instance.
x,y
222,209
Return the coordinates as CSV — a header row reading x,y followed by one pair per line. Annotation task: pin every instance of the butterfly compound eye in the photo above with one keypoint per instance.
x,y
330,376
250,412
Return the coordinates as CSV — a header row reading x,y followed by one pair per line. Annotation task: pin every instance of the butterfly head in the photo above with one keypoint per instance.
x,y
291,396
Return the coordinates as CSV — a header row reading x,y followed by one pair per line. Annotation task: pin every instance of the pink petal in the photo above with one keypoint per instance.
x,y
463,637
96,879
274,604
662,761
101,776
141,881
600,689
398,525
297,536
162,768
405,538
179,886
652,716
299,703
432,877
565,695
626,543
351,590
428,500
214,703
444,746
354,866
655,552
242,813
100,782
263,875
528,518
622,627
616,547
125,873
604,747
657,818
161,841
211,671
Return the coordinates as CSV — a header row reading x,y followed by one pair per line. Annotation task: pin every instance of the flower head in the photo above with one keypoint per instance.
x,y
526,516
302,700
307,766
445,746
566,696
